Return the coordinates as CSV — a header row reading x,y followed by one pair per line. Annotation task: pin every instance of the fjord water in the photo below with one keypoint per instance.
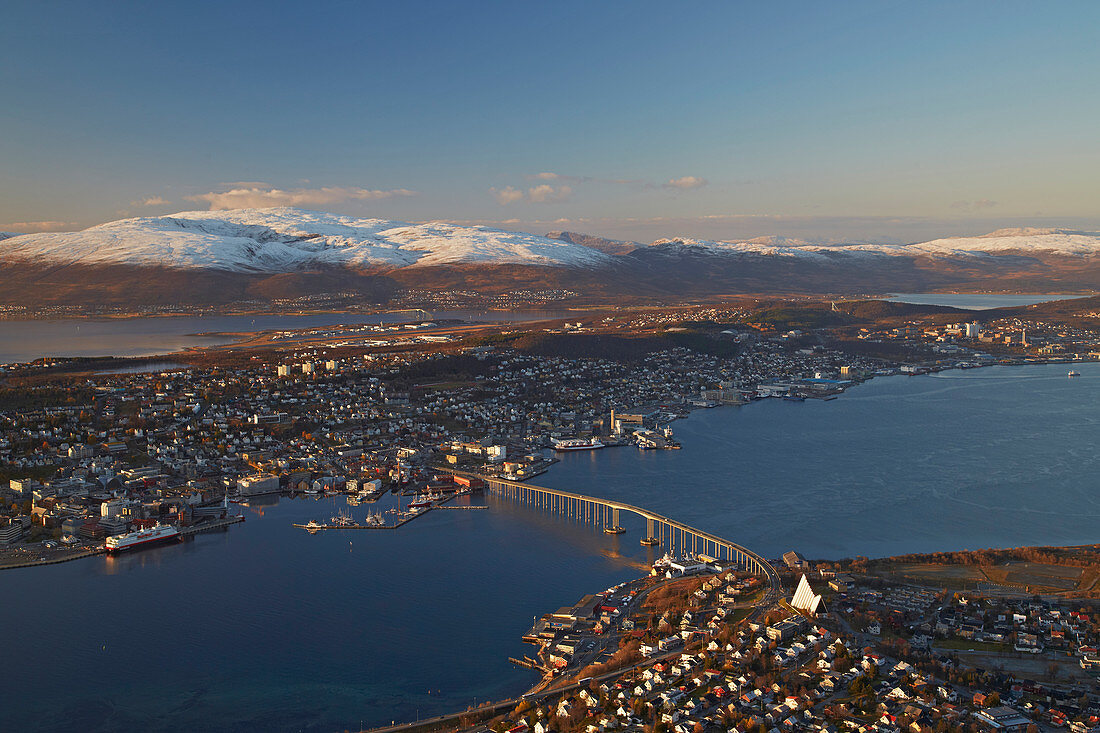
x,y
26,340
267,628
992,457
978,301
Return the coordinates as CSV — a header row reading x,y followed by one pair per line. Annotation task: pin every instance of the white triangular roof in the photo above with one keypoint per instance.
x,y
804,597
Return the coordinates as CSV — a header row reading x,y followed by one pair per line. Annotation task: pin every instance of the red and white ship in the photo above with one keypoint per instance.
x,y
568,444
141,538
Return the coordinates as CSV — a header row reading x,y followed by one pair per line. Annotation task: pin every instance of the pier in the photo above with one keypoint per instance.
x,y
92,551
206,526
405,518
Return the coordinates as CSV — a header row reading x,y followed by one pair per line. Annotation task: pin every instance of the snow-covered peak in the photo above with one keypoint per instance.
x,y
763,246
1056,241
285,239
1004,241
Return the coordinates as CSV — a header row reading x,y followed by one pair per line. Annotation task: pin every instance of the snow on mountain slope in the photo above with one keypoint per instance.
x,y
764,247
284,239
1063,242
290,240
1056,241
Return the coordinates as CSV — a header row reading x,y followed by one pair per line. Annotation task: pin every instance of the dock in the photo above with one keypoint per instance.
x,y
405,519
207,526
93,551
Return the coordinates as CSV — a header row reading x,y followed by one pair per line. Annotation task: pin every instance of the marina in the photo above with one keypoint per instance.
x,y
417,509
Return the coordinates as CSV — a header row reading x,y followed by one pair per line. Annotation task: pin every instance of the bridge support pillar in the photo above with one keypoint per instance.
x,y
650,538
614,527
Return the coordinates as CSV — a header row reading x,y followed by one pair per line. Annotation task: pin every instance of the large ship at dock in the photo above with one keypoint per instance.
x,y
141,538
568,444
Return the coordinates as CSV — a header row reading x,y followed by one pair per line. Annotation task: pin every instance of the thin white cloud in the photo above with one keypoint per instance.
x,y
43,226
258,197
506,195
151,201
547,194
550,176
543,193
686,182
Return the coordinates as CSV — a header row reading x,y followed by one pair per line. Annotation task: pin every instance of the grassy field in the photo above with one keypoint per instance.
x,y
968,644
1030,576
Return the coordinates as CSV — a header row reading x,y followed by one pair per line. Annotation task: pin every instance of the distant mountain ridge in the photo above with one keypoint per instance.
x,y
204,257
287,240
607,246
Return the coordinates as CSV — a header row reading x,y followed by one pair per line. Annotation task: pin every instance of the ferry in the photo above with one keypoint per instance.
x,y
569,444
1074,374
142,537
420,501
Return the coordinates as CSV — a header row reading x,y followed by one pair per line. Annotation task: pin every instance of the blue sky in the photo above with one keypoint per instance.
x,y
876,120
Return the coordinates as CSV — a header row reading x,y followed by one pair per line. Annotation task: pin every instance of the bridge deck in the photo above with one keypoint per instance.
x,y
497,485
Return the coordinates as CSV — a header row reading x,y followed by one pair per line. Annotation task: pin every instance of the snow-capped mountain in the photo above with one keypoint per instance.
x,y
1062,242
265,254
288,240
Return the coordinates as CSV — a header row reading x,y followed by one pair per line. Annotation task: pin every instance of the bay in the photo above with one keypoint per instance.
x,y
27,340
978,301
993,457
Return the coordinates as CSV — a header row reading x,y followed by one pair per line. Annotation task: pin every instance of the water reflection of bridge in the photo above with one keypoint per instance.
x,y
661,531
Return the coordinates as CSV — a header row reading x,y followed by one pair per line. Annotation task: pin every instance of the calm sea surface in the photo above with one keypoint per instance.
x,y
978,301
267,628
22,341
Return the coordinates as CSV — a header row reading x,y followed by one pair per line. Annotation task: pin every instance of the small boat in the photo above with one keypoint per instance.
x,y
1074,374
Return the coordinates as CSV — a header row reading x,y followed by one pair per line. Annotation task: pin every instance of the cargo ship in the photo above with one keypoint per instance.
x,y
141,538
568,444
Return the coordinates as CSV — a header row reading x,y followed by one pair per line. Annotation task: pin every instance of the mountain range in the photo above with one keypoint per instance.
x,y
211,257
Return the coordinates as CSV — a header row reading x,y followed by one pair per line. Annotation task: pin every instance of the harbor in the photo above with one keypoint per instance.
x,y
80,553
418,508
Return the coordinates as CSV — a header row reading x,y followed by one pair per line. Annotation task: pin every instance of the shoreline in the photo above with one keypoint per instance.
x,y
688,410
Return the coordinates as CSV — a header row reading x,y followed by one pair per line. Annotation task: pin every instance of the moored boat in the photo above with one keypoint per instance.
x,y
569,444
141,538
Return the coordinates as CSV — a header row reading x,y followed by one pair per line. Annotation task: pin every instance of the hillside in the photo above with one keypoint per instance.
x,y
218,257
287,240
